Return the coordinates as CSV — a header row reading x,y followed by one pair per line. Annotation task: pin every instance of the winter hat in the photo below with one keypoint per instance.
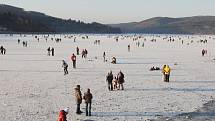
x,y
66,110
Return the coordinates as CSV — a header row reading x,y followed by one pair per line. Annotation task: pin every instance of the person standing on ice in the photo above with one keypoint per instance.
x,y
109,79
77,50
166,73
49,51
129,47
104,55
83,53
65,67
2,50
120,77
52,50
73,58
78,97
88,100
62,114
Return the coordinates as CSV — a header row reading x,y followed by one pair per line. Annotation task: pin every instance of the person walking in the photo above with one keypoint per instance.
x,y
88,100
109,79
78,97
65,67
62,114
166,73
73,58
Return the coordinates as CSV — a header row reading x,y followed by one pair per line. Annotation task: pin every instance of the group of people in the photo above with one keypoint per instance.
x,y
65,65
2,50
50,51
84,53
88,100
78,98
97,42
24,43
115,83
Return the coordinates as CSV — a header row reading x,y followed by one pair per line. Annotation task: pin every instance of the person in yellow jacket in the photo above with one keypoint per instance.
x,y
166,72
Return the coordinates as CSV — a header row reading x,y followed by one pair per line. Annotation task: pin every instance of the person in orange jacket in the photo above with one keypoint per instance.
x,y
62,114
73,58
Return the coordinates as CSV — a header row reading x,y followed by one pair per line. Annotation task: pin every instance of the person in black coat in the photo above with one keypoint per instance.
x,y
109,79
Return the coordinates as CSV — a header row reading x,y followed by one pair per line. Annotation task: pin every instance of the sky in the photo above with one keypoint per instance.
x,y
116,11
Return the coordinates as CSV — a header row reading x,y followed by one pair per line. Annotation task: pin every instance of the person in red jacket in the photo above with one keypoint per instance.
x,y
73,58
62,114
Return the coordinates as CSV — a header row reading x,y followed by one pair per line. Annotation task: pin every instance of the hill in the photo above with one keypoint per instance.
x,y
13,19
166,25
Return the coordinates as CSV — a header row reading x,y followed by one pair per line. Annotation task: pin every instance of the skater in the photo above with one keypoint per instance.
x,y
52,50
120,78
77,50
104,55
166,73
78,97
109,79
88,100
49,51
65,67
62,114
73,58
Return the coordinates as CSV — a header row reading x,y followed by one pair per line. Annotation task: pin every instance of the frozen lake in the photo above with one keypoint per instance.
x,y
34,88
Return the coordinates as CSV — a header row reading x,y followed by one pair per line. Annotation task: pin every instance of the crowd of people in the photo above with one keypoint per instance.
x,y
114,82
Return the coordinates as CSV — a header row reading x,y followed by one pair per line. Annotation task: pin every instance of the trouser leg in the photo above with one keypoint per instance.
x,y
77,108
86,109
122,87
74,64
89,109
111,86
167,77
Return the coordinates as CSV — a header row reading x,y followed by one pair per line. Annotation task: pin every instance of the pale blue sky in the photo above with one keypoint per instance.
x,y
116,11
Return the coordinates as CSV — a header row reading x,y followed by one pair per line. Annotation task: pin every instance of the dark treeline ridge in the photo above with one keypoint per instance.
x,y
15,20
